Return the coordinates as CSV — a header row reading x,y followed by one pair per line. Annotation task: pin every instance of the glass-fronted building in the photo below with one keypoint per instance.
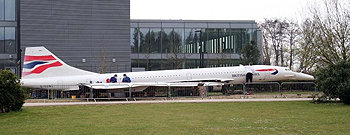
x,y
175,44
8,35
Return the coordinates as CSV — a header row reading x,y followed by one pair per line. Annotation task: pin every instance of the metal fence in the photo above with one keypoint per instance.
x,y
175,91
298,86
262,87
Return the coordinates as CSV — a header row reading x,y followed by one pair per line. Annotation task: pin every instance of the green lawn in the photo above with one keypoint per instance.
x,y
271,93
181,118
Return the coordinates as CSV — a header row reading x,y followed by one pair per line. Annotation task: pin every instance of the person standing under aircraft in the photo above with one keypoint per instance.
x,y
113,79
126,79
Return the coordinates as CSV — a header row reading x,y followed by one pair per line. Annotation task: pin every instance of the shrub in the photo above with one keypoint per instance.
x,y
344,91
12,95
334,81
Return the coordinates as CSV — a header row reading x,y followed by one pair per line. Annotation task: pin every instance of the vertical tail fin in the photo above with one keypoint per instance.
x,y
40,63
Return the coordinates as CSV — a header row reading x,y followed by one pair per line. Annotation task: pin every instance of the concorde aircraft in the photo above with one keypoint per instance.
x,y
43,70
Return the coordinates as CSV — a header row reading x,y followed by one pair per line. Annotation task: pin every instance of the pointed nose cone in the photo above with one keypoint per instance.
x,y
304,77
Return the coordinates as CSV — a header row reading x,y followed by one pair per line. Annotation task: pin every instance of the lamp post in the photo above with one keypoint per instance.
x,y
201,54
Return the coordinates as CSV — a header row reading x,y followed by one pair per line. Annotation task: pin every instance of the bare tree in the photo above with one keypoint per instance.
x,y
266,49
321,39
306,51
274,32
292,36
330,26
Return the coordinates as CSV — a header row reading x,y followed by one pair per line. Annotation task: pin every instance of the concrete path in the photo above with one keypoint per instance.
x,y
169,101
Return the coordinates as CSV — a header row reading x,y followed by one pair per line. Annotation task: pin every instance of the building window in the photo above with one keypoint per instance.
x,y
10,40
134,40
177,38
8,10
2,10
155,40
190,45
166,42
144,46
2,39
7,40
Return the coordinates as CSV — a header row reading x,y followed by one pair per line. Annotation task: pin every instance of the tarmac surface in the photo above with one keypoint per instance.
x,y
168,101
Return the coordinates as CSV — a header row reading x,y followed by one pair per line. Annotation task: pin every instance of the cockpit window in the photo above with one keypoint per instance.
x,y
287,69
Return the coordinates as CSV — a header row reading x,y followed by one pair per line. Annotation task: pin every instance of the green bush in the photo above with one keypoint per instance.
x,y
12,95
344,92
334,81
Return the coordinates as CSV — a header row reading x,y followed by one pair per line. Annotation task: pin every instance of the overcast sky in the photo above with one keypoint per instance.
x,y
218,9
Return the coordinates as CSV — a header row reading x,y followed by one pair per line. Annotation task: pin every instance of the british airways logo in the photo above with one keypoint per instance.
x,y
273,70
38,64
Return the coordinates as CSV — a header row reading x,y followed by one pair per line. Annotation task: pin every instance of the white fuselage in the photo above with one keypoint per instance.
x,y
43,70
233,75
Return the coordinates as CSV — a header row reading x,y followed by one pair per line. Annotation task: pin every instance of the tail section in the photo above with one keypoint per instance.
x,y
41,63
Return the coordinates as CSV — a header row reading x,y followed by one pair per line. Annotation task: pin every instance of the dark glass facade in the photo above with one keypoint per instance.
x,y
172,40
168,44
8,35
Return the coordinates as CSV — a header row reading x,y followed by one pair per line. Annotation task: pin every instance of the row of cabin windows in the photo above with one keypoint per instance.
x,y
219,73
148,77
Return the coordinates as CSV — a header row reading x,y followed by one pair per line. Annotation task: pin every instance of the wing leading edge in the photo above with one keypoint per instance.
x,y
148,84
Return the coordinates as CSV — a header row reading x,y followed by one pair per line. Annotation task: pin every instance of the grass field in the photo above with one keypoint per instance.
x,y
181,118
272,93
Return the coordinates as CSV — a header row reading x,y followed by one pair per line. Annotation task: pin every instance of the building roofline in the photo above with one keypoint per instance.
x,y
189,21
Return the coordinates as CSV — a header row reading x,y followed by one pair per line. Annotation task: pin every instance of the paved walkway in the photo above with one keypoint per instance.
x,y
169,101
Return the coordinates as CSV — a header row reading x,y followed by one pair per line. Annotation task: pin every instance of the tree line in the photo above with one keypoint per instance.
x,y
321,39
319,44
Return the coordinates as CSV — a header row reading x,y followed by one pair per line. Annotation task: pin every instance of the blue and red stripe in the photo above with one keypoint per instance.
x,y
42,68
33,64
